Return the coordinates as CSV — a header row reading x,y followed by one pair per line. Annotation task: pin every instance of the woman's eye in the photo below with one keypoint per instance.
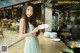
x,y
31,10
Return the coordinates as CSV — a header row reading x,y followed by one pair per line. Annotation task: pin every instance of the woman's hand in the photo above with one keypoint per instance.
x,y
35,30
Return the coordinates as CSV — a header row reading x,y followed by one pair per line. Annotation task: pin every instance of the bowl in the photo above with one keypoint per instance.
x,y
53,35
47,34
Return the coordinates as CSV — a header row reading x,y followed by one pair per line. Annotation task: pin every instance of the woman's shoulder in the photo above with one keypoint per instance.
x,y
22,19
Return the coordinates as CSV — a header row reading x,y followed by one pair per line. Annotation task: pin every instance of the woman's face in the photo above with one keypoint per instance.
x,y
29,11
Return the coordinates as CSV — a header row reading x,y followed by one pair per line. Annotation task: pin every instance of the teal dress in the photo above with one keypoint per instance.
x,y
31,42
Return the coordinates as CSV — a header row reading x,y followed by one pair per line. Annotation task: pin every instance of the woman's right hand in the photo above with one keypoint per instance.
x,y
35,30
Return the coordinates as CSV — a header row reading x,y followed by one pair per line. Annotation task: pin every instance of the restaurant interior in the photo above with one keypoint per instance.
x,y
66,22
62,36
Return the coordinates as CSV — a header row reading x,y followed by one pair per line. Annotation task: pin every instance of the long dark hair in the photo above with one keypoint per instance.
x,y
31,20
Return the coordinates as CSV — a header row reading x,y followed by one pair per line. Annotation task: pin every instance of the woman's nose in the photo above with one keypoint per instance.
x,y
29,12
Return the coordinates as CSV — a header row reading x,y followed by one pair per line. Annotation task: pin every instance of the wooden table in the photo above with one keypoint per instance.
x,y
49,46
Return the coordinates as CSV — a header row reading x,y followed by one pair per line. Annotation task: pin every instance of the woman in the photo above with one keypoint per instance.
x,y
29,30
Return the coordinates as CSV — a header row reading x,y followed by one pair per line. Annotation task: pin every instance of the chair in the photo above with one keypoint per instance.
x,y
1,29
13,27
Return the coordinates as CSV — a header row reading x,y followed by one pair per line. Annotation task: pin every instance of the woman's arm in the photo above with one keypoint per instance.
x,y
21,30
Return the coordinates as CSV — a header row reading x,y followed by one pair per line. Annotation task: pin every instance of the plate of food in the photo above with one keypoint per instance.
x,y
43,26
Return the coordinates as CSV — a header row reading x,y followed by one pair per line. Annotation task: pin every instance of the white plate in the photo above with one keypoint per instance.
x,y
56,39
43,26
